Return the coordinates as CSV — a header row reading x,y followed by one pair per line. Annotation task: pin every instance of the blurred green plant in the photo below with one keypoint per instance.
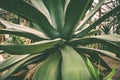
x,y
106,29
96,72
60,43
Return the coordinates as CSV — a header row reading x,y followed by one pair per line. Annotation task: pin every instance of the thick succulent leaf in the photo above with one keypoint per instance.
x,y
92,69
97,51
89,15
22,34
33,48
97,22
88,7
64,2
111,74
86,41
11,60
97,59
21,31
41,7
27,11
74,13
48,69
15,67
56,9
66,5
73,65
32,61
113,37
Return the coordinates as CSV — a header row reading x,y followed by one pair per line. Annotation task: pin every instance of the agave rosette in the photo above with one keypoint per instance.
x,y
60,43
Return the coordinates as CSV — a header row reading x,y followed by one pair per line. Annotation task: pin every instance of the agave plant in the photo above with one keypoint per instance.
x,y
106,29
59,43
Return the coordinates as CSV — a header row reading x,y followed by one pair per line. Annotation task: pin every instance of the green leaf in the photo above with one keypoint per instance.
x,y
48,69
22,34
21,31
16,66
41,7
96,23
66,5
97,51
33,48
89,15
110,75
87,9
33,61
92,70
111,37
29,12
74,13
11,60
73,66
56,9
91,40
97,59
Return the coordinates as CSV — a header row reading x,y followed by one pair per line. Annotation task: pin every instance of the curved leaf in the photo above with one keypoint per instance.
x,y
86,41
22,34
16,66
111,74
74,13
89,15
21,30
97,59
92,69
56,9
112,37
96,23
66,5
97,51
41,7
11,60
27,11
73,66
33,48
48,69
